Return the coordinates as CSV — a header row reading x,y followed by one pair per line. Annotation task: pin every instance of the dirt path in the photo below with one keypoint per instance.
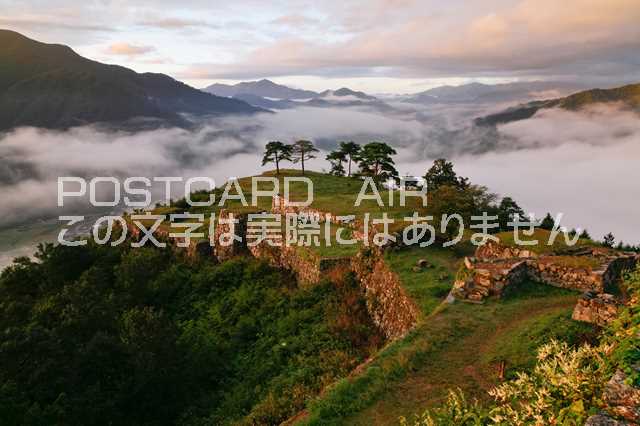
x,y
459,361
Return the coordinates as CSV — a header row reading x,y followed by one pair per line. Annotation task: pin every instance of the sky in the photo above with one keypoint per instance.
x,y
380,46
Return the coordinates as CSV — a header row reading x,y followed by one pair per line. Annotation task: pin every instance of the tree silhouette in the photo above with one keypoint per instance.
x,y
507,210
350,150
302,151
375,161
548,222
609,240
336,158
276,151
442,173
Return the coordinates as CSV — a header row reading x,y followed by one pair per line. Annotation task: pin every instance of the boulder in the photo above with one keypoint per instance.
x,y
623,399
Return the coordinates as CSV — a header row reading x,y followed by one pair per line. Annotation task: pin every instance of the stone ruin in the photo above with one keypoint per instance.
x,y
496,269
596,308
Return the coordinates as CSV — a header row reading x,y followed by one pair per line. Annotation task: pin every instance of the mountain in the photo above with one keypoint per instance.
x,y
267,94
628,95
491,93
263,88
345,95
260,102
49,85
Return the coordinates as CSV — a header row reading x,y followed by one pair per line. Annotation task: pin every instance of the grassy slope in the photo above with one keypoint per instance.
x,y
454,347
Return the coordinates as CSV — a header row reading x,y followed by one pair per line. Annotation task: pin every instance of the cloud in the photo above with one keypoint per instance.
x,y
175,23
43,22
525,37
579,163
295,21
126,49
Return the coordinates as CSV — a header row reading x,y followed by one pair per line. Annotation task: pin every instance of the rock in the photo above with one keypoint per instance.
x,y
603,420
623,399
596,309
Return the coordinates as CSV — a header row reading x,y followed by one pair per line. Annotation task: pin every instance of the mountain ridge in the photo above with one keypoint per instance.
x,y
263,88
52,86
628,95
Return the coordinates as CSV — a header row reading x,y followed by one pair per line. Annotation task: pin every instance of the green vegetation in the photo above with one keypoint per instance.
x,y
515,348
542,238
302,151
566,383
275,152
102,335
446,351
427,286
375,161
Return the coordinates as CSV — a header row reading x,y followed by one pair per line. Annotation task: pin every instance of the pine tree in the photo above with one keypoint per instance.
x,y
442,173
609,240
507,210
548,222
276,151
351,150
375,161
336,158
302,151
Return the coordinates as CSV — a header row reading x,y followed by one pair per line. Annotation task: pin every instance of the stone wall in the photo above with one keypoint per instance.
x,y
387,302
478,280
548,270
596,308
496,268
494,250
307,266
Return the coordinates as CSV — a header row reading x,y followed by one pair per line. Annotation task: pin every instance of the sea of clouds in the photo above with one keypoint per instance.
x,y
583,164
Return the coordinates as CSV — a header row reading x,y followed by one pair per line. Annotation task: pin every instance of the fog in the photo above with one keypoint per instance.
x,y
584,164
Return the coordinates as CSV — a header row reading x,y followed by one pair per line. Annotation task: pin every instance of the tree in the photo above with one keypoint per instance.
x,y
507,210
276,151
302,151
609,240
584,235
442,173
350,150
336,158
375,161
548,222
448,200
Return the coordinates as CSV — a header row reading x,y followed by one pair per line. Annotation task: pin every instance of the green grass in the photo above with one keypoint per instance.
x,y
428,286
449,349
542,237
516,347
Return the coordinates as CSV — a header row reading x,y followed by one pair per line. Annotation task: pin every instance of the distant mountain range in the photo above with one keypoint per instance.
x,y
628,96
51,86
492,93
263,88
269,95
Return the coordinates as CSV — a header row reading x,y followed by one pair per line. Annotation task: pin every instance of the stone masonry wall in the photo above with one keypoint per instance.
x,y
496,268
388,304
596,308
